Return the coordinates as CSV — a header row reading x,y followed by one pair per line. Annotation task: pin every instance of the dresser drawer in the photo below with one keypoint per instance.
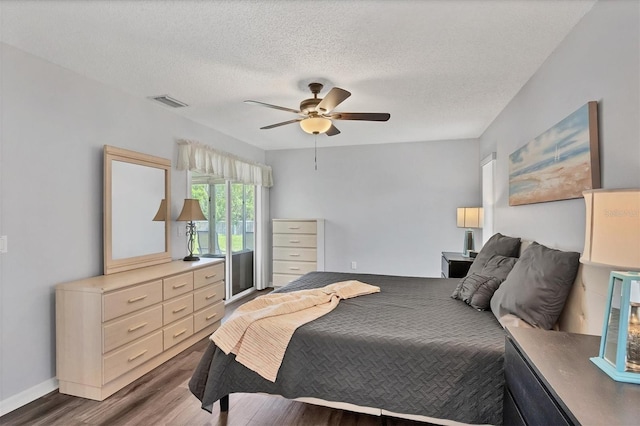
x,y
131,356
295,268
176,309
303,254
294,227
208,296
208,275
534,403
130,328
123,302
178,332
208,316
177,285
280,279
289,240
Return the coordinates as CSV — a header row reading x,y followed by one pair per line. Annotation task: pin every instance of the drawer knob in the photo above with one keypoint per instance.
x,y
294,255
210,276
210,316
294,241
293,268
294,227
176,286
137,356
210,296
179,333
175,311
137,327
137,299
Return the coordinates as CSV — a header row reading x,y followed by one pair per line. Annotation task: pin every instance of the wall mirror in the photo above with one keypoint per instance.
x,y
136,233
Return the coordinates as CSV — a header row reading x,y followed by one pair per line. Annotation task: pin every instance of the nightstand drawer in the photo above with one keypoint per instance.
x,y
533,401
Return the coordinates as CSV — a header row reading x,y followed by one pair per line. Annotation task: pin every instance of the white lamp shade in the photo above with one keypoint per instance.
x,y
315,125
191,211
470,217
612,234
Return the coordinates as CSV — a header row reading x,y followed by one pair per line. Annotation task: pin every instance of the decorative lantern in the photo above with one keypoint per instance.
x,y
620,344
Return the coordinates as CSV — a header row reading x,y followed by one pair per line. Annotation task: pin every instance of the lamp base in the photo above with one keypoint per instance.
x,y
191,258
468,242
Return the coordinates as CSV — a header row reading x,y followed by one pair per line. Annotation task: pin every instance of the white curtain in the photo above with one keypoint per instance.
x,y
200,158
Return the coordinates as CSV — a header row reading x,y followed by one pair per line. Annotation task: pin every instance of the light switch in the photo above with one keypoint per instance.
x,y
3,244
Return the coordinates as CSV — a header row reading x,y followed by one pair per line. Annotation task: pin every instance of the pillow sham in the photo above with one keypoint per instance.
x,y
498,244
537,287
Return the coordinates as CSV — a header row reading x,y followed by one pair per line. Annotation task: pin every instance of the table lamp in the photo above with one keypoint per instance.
x,y
612,239
191,211
469,217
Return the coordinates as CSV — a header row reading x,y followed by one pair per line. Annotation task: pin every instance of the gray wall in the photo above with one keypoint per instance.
x,y
599,60
54,124
391,207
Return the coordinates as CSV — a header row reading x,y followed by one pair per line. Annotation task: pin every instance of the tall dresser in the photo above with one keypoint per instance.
x,y
112,329
298,248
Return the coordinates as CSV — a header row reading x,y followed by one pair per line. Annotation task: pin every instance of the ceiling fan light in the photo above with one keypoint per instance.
x,y
315,125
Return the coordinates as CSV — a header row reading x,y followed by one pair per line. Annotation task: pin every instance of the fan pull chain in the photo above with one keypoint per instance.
x,y
315,151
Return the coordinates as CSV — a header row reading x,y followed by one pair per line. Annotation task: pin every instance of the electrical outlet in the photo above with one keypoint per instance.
x,y
4,244
354,265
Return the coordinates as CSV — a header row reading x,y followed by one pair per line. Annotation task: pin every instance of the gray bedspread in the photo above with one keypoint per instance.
x,y
410,349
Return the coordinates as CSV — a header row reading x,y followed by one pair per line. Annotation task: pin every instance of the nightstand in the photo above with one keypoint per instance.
x,y
549,380
455,265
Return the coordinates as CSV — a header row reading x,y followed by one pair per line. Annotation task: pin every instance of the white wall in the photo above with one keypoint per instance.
x,y
54,124
391,207
599,60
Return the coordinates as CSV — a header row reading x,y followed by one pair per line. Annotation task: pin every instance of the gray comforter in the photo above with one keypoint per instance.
x,y
408,349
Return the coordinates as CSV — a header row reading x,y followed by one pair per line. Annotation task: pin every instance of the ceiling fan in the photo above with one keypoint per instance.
x,y
316,113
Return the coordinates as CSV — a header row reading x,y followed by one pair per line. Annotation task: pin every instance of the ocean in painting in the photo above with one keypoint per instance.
x,y
554,166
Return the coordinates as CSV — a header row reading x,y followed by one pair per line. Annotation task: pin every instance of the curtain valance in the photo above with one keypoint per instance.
x,y
200,158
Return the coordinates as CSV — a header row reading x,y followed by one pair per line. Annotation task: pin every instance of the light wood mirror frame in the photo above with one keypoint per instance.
x,y
140,258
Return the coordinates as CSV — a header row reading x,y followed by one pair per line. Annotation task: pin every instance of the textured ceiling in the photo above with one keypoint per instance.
x,y
442,69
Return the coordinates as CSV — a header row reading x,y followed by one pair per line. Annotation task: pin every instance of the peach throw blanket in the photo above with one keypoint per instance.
x,y
259,331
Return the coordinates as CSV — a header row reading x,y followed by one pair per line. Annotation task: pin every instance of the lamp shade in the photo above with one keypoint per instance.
x,y
612,234
161,216
315,125
191,211
470,217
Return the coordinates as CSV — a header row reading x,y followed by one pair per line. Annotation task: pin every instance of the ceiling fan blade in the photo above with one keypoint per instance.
x,y
333,130
295,111
367,116
281,124
334,98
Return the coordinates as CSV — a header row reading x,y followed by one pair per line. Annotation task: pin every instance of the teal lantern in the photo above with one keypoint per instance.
x,y
620,343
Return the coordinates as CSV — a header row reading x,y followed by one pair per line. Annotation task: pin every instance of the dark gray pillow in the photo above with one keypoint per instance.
x,y
499,266
537,287
476,290
498,244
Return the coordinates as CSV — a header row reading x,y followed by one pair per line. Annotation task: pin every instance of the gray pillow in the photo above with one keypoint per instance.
x,y
498,244
537,287
476,290
498,266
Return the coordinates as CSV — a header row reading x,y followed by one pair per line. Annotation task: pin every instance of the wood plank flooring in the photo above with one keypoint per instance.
x,y
162,397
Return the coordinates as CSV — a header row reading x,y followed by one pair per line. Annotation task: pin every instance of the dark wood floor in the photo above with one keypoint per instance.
x,y
162,397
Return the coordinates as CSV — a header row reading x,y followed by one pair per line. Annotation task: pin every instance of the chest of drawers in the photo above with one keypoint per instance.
x,y
112,329
298,248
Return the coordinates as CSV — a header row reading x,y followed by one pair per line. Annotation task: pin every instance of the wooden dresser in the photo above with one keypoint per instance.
x,y
112,329
298,248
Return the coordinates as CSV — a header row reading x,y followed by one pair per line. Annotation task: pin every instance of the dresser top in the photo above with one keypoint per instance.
x,y
561,361
104,283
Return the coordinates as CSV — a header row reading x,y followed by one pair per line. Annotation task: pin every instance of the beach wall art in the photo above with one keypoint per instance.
x,y
560,163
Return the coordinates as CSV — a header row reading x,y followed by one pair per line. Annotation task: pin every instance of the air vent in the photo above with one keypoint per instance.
x,y
169,101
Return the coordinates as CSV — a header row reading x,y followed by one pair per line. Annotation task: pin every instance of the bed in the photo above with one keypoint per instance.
x,y
409,351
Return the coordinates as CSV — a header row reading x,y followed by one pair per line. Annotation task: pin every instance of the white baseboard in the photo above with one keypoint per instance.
x,y
23,398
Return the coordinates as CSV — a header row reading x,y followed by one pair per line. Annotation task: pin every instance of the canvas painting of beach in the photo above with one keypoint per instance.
x,y
560,163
